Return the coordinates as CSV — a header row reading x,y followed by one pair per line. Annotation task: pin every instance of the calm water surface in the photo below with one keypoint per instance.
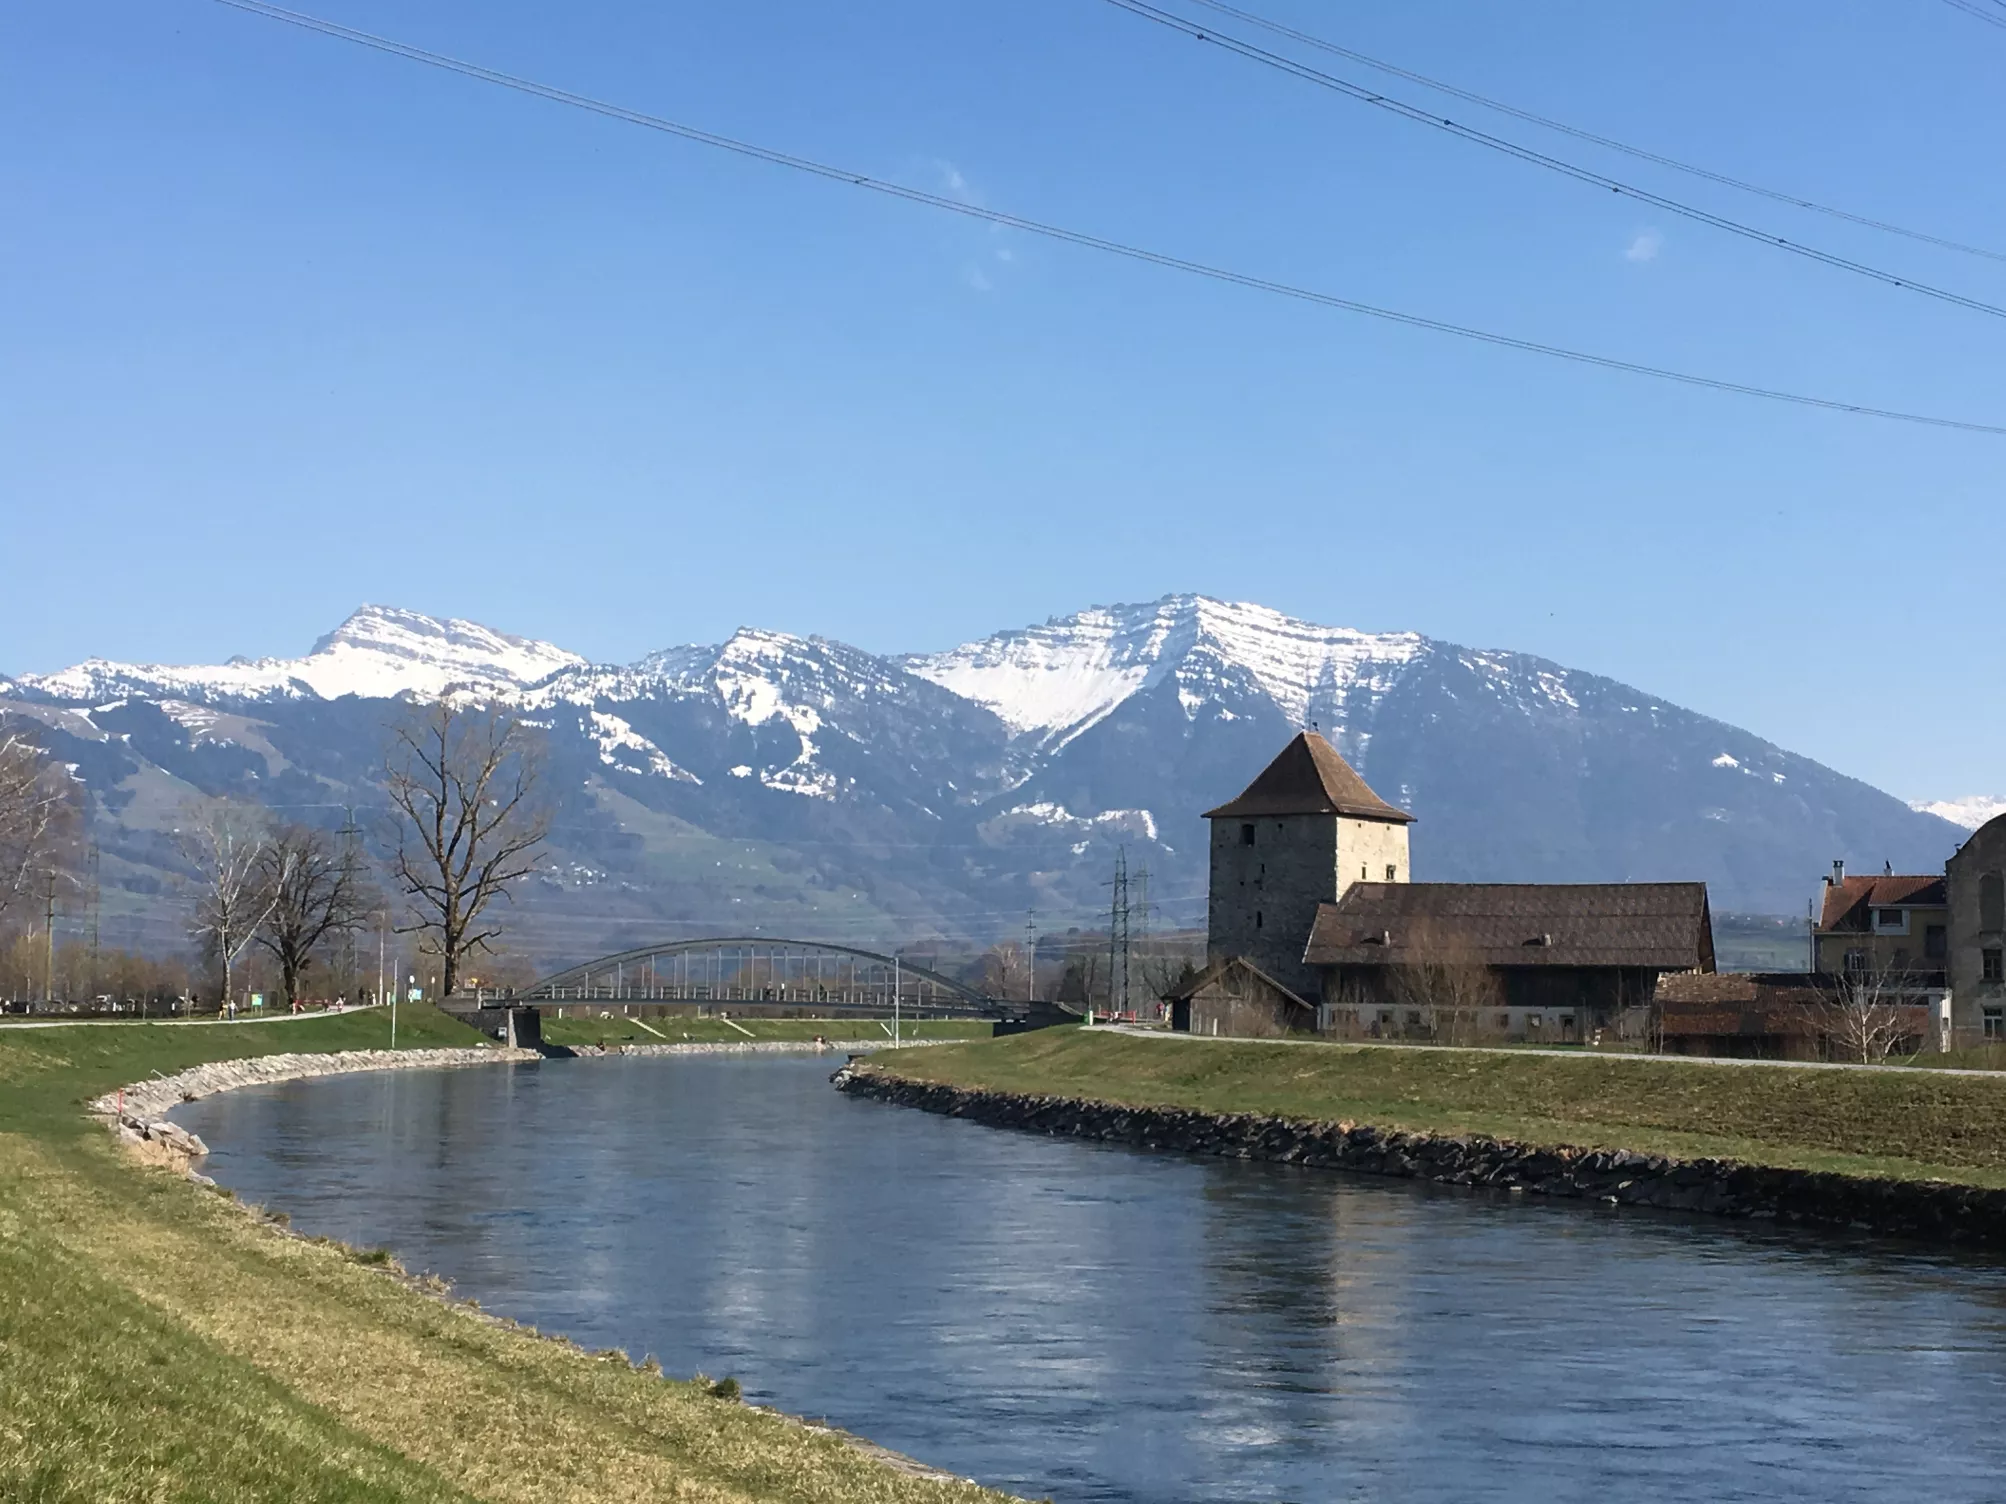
x,y
1064,1319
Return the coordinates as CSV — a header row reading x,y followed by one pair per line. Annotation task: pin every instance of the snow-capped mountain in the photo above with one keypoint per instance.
x,y
1057,680
1969,812
798,785
378,653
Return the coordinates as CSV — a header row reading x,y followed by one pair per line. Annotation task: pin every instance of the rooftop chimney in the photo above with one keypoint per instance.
x,y
1838,873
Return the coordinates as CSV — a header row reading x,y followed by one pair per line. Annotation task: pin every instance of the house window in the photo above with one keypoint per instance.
x,y
1257,919
1992,965
1531,1021
1392,873
1935,942
1892,921
1992,902
1856,961
1247,835
1504,1020
1995,1023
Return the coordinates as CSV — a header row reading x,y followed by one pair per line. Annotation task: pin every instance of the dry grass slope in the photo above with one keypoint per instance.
x,y
157,1343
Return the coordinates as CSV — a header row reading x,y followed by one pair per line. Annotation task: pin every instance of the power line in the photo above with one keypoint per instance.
x,y
1081,238
1537,158
1992,17
1642,154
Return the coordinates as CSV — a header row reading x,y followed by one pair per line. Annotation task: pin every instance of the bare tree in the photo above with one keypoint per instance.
x,y
227,845
1004,970
37,805
464,782
1864,1015
317,890
1455,995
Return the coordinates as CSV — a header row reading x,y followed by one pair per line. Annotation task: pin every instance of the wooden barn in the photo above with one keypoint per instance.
x,y
1235,999
1540,961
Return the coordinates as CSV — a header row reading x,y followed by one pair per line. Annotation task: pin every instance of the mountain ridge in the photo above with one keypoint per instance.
x,y
804,784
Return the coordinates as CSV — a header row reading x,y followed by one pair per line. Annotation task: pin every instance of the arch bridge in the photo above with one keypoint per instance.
x,y
760,971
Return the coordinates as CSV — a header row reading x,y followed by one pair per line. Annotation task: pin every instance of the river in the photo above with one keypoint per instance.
x,y
1094,1324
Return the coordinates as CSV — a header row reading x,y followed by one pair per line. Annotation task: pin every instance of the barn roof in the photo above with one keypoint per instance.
x,y
1665,926
1848,901
1225,972
1308,777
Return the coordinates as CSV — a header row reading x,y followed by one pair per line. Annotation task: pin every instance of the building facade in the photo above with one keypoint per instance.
x,y
1975,879
1462,962
1894,925
1300,835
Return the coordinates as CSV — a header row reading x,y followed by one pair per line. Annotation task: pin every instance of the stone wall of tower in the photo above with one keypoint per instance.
x,y
1268,876
1270,873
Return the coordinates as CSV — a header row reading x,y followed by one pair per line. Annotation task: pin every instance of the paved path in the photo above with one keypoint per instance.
x,y
1137,1031
180,1023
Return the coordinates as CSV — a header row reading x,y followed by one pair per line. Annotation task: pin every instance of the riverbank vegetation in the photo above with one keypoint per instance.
x,y
1906,1124
158,1342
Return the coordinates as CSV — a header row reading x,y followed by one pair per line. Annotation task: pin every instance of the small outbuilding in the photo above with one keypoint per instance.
x,y
1235,999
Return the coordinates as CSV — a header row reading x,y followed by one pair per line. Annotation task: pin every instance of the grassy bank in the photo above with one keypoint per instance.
x,y
1907,1124
156,1343
617,1030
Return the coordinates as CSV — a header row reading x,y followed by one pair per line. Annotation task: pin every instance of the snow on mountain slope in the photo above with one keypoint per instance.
x,y
1062,677
378,653
1970,812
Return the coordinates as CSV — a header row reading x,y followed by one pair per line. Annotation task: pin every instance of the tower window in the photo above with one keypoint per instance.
x,y
1257,919
1247,834
1361,872
1392,873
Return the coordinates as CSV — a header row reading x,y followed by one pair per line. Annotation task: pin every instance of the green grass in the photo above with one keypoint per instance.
x,y
1906,1124
158,1344
616,1030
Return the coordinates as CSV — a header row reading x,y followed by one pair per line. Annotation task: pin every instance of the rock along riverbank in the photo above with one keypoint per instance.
x,y
137,1113
1936,1211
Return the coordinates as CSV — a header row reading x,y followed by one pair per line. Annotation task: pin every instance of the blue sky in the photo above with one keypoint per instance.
x,y
286,325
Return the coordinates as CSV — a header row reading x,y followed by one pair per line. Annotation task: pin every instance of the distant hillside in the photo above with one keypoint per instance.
x,y
800,786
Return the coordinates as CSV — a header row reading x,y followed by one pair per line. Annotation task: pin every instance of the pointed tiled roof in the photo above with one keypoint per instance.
x,y
1309,778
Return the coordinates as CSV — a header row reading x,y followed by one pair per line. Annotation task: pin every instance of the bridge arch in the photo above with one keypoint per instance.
x,y
760,969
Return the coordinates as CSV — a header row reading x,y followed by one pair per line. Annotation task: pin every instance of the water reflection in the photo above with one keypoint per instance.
x,y
1065,1319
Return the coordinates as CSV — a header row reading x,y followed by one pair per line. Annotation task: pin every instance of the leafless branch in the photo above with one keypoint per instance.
x,y
471,823
37,804
318,889
228,846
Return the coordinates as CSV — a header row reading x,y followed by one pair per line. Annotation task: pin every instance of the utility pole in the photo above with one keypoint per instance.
x,y
95,895
382,945
49,938
1030,957
1117,936
895,999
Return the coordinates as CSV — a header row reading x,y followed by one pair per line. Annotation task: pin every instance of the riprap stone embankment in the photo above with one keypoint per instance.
x,y
1938,1211
138,1113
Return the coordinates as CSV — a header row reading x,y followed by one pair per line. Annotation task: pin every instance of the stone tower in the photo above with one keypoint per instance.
x,y
1303,832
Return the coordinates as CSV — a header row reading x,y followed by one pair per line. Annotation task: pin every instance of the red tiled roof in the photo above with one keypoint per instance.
x,y
1847,902
1662,925
1308,777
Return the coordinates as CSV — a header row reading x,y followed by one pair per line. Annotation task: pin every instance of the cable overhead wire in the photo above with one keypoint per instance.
x,y
1992,15
1642,154
1580,174
1081,238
